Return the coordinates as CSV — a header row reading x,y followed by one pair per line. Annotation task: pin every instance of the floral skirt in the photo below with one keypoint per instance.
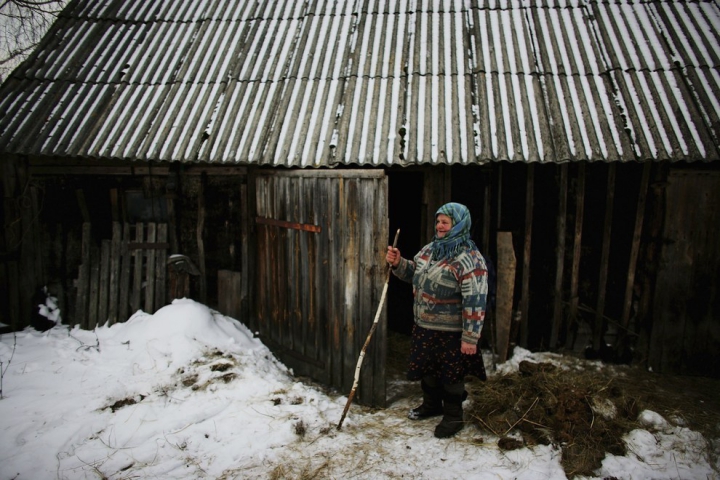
x,y
437,354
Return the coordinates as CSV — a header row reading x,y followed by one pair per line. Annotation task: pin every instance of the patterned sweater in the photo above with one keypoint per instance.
x,y
450,295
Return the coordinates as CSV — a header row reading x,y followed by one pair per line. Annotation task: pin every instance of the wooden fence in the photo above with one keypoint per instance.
x,y
121,275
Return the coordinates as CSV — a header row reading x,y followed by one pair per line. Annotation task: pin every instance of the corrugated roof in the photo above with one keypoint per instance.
x,y
326,82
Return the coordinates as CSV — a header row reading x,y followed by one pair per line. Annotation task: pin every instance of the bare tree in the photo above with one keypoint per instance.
x,y
22,25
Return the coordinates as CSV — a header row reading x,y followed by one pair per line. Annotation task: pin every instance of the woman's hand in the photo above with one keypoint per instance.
x,y
468,348
393,256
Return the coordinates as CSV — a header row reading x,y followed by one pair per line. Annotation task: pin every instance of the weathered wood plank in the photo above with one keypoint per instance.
x,y
229,292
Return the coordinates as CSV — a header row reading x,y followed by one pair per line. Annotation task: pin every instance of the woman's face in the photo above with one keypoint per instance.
x,y
443,224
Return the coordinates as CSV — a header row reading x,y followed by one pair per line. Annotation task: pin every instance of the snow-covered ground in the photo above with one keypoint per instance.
x,y
188,393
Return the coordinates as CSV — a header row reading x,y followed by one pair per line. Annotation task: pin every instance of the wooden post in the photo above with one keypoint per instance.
x,y
137,269
560,258
244,251
577,249
599,326
115,273
487,208
150,270
506,265
161,267
199,234
83,282
92,314
525,295
124,299
104,281
632,264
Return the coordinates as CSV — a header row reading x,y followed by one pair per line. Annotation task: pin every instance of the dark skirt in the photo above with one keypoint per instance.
x,y
437,354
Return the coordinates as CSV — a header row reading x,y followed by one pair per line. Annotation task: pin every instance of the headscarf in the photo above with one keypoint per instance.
x,y
458,237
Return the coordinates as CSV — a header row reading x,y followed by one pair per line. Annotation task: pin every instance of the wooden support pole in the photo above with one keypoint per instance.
x,y
579,195
244,251
525,294
83,282
505,292
632,263
599,326
150,270
114,273
560,258
92,315
104,282
126,262
137,269
161,257
199,234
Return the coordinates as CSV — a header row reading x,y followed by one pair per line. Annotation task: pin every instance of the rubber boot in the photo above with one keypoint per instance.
x,y
452,421
432,402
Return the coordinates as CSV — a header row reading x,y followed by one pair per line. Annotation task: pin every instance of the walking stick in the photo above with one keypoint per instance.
x,y
367,340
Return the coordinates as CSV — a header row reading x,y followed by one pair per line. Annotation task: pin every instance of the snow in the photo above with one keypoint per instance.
x,y
189,393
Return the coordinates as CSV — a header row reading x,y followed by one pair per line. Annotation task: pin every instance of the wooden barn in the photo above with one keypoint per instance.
x,y
258,156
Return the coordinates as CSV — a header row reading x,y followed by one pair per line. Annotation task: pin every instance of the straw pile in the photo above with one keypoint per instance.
x,y
586,413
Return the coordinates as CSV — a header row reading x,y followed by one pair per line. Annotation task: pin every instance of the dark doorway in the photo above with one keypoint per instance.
x,y
405,209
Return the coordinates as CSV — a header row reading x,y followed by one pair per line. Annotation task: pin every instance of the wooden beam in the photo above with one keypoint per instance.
x,y
505,292
599,326
635,248
199,232
577,254
161,268
150,270
525,295
244,252
124,289
39,170
114,286
560,258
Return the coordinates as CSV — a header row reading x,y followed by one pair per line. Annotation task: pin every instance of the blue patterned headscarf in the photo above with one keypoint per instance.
x,y
458,237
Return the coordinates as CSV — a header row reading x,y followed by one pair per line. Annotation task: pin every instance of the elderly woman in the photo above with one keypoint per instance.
x,y
450,287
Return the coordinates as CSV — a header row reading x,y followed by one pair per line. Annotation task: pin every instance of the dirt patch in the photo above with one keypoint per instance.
x,y
587,410
584,407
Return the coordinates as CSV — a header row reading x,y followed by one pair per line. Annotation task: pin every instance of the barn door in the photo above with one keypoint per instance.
x,y
321,240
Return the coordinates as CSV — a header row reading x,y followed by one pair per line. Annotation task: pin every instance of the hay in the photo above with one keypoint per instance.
x,y
584,411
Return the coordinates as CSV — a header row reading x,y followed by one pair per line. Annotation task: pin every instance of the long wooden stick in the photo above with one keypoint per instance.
x,y
367,340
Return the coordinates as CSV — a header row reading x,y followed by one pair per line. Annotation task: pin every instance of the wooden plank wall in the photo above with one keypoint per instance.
x,y
121,275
